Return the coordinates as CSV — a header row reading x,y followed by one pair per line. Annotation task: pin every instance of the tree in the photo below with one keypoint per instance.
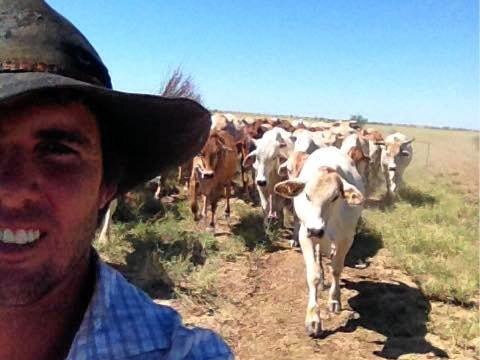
x,y
359,119
180,85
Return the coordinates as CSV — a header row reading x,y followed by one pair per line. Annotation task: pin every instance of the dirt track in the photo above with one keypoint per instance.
x,y
261,306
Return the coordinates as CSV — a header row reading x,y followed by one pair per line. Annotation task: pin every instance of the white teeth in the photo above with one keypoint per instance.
x,y
8,236
20,237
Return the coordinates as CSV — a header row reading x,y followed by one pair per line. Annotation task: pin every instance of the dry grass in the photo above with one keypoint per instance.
x,y
432,230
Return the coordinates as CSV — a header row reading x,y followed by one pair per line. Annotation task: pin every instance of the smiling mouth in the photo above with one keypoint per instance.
x,y
19,236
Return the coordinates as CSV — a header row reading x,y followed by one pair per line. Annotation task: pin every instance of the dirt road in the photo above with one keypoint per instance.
x,y
261,302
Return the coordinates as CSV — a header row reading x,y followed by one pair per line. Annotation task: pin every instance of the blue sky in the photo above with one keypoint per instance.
x,y
401,61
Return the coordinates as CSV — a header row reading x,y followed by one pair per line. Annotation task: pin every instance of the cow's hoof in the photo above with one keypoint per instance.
x,y
334,306
294,243
314,328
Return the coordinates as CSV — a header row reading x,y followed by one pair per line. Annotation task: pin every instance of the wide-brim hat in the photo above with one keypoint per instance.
x,y
41,51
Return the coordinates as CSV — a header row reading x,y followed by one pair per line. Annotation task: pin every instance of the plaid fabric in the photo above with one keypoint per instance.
x,y
122,322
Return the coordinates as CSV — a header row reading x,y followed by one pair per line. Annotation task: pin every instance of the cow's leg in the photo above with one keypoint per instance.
x,y
242,172
271,210
193,200
318,261
228,189
179,176
104,237
213,203
338,260
296,228
387,183
263,200
313,323
204,206
279,208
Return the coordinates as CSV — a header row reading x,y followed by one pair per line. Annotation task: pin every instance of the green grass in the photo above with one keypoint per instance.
x,y
433,232
158,255
168,257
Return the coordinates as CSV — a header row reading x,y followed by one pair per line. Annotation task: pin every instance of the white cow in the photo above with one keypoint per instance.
x,y
396,155
306,141
271,150
328,198
104,236
358,149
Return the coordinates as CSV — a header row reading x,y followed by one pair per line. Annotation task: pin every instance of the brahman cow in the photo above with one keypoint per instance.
x,y
212,174
396,155
328,198
271,150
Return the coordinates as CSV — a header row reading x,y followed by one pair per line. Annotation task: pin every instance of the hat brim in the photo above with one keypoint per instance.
x,y
151,133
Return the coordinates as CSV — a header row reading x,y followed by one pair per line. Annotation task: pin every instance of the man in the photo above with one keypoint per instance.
x,y
68,145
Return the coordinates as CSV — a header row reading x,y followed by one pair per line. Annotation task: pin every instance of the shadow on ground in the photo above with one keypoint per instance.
x,y
397,311
251,230
146,265
366,244
407,194
416,197
383,203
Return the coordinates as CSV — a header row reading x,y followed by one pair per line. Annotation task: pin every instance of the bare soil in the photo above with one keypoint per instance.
x,y
261,300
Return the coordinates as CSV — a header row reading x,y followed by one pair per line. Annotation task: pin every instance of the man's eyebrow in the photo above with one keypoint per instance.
x,y
70,136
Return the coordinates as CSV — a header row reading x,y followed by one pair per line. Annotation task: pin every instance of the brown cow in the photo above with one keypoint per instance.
x,y
212,174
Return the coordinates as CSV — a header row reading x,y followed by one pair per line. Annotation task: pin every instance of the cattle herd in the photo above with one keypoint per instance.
x,y
325,170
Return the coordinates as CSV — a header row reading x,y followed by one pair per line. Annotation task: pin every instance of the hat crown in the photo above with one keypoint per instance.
x,y
35,38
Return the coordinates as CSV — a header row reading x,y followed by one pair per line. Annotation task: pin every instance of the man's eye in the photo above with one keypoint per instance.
x,y
55,148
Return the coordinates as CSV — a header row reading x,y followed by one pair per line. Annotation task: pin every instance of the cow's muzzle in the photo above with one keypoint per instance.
x,y
262,183
315,232
207,175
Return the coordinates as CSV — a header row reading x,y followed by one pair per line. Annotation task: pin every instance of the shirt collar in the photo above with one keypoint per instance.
x,y
118,310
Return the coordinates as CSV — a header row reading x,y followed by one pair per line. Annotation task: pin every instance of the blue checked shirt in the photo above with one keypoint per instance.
x,y
122,322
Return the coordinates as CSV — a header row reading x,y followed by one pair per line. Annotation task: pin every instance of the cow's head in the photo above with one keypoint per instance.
x,y
320,199
205,163
292,167
271,150
393,152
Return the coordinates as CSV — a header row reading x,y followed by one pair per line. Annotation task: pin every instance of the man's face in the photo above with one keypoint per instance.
x,y
50,192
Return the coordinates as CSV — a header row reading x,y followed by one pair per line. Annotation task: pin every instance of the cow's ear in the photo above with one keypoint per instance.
x,y
250,159
408,141
353,196
289,188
